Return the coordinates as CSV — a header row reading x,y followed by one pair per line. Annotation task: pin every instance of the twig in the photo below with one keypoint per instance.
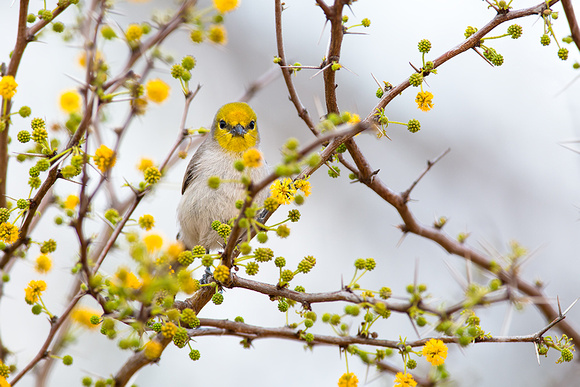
x,y
430,164
302,112
572,21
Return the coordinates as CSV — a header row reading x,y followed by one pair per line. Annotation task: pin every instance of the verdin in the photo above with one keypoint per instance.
x,y
234,130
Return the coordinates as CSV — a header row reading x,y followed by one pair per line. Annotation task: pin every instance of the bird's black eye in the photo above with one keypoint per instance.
x,y
252,125
223,124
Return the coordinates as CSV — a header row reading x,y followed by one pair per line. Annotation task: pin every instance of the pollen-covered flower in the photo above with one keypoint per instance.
x,y
424,101
152,350
144,163
304,186
283,190
8,233
8,86
71,202
225,5
348,380
104,158
404,380
146,222
252,158
217,34
153,242
157,90
70,101
134,32
82,316
43,263
435,351
34,291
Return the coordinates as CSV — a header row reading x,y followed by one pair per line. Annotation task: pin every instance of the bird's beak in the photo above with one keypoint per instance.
x,y
238,130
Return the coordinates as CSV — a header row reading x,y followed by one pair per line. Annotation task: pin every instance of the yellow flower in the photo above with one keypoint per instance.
x,y
70,101
217,34
157,90
34,291
283,190
404,380
348,380
43,263
146,222
8,86
153,242
354,118
435,351
134,32
252,158
82,316
3,382
104,158
127,278
424,101
304,186
175,248
83,58
144,163
152,350
71,202
225,5
8,233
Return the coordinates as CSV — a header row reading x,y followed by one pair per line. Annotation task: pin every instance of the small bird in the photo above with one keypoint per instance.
x,y
234,130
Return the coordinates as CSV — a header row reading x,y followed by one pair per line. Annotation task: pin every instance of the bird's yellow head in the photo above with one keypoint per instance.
x,y
235,127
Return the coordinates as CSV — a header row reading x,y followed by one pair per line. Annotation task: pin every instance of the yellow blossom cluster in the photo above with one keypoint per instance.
x,y
8,87
70,101
226,5
435,352
9,233
104,158
82,316
157,90
283,190
252,158
34,291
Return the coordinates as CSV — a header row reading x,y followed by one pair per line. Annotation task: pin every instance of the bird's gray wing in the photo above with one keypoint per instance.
x,y
192,171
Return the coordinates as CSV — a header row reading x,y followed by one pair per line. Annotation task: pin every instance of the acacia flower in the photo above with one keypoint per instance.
x,y
252,158
8,86
152,350
34,291
354,118
424,101
153,242
404,380
43,263
144,163
70,101
146,222
82,316
71,202
134,32
283,190
225,5
104,158
435,351
8,233
157,90
3,382
217,34
304,186
348,380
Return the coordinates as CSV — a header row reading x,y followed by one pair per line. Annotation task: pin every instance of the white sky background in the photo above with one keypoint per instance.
x,y
506,178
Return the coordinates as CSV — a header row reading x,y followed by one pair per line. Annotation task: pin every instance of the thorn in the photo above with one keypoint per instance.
x,y
570,307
